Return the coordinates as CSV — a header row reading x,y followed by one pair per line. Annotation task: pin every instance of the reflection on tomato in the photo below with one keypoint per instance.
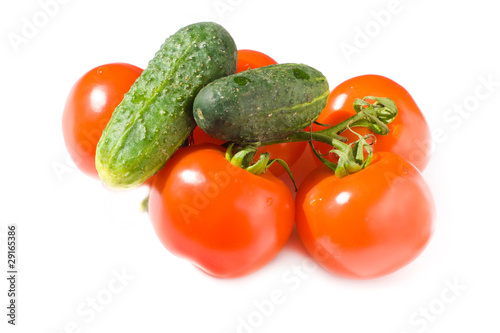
x,y
89,107
367,224
409,134
223,219
199,137
249,59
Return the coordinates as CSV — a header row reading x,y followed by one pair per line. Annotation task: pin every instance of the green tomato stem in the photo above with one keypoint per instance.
x,y
144,205
371,112
260,166
244,157
374,116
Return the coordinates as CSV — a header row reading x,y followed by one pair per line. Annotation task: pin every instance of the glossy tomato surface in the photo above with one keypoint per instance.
x,y
368,224
89,107
200,137
302,166
249,59
409,135
223,219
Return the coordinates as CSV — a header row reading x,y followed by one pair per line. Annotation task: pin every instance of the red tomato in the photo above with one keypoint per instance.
x,y
223,219
368,224
199,137
303,165
89,107
409,134
249,59
289,152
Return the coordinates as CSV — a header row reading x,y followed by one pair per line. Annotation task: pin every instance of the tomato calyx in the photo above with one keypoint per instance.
x,y
377,111
371,112
353,157
244,157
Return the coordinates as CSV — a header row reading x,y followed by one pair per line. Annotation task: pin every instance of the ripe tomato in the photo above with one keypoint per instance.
x,y
222,218
199,137
89,107
368,224
302,166
409,134
289,152
248,59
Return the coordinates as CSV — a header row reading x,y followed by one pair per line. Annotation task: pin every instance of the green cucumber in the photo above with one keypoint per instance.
x,y
156,115
261,104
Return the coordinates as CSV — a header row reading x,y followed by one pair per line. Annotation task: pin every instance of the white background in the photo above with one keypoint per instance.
x,y
75,236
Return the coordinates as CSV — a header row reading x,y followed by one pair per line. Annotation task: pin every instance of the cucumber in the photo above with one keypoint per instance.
x,y
156,115
261,104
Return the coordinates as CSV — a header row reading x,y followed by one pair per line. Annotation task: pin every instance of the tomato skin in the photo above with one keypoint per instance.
x,y
288,152
200,137
409,135
368,224
89,107
301,167
250,59
223,219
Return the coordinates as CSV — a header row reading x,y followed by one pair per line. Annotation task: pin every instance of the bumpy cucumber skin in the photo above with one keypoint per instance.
x,y
156,114
261,104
